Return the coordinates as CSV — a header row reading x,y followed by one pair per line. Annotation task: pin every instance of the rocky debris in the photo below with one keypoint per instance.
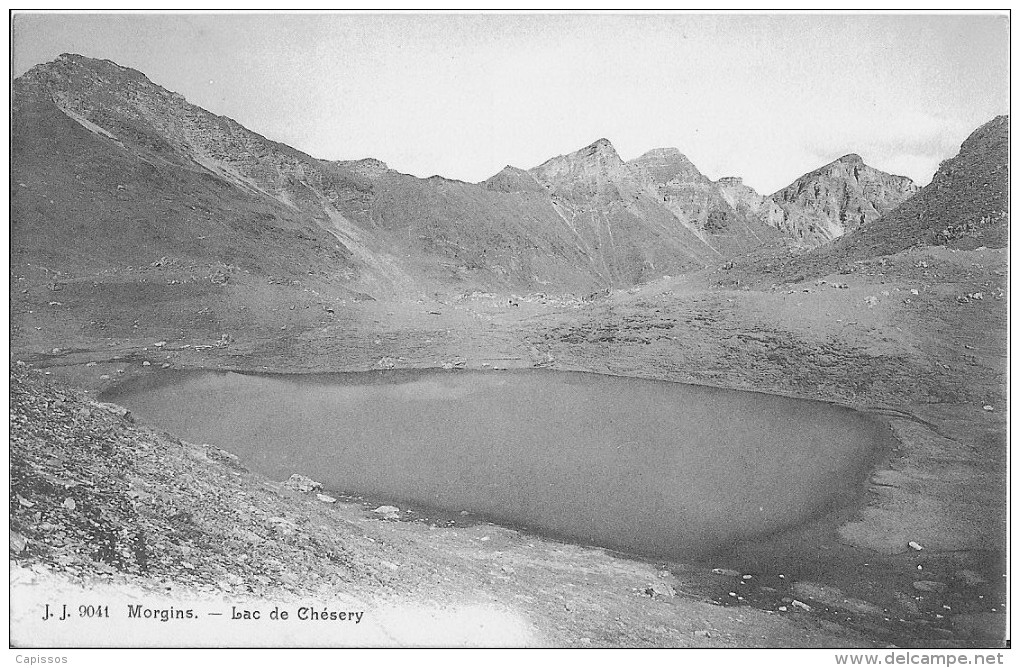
x,y
325,498
301,483
728,572
913,545
800,604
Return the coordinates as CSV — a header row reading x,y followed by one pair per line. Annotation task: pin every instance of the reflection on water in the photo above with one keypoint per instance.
x,y
643,466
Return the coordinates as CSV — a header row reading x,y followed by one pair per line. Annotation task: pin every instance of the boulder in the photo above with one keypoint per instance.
x,y
300,483
18,542
660,589
388,512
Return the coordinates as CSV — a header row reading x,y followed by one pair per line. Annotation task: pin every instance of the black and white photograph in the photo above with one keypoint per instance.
x,y
510,329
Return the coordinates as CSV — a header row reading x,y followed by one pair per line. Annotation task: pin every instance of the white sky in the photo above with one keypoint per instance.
x,y
766,97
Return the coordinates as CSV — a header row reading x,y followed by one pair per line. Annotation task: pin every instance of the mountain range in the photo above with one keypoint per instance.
x,y
109,168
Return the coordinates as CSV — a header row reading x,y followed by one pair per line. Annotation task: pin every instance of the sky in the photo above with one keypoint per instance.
x,y
767,97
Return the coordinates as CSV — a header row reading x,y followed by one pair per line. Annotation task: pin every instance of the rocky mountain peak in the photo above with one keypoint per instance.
x,y
600,152
838,198
596,163
849,165
512,179
668,165
663,153
72,71
99,91
601,145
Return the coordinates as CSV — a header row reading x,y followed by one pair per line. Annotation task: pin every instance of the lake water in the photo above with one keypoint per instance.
x,y
649,467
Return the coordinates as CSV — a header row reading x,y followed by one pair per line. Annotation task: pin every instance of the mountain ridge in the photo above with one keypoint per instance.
x,y
594,226
964,207
581,221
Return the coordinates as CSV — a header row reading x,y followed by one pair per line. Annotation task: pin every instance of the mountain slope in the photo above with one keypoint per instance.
x,y
747,201
836,199
645,212
966,206
111,169
699,203
204,187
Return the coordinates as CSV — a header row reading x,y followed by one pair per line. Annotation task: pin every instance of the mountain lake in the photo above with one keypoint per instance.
x,y
646,467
